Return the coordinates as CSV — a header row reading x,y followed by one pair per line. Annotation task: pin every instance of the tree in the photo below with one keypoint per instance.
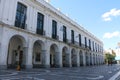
x,y
109,57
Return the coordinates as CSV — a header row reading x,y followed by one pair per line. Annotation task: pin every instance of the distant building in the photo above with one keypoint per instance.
x,y
108,51
35,34
117,51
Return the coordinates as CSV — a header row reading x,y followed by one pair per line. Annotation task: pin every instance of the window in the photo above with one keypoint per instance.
x,y
85,42
64,34
40,23
93,46
54,29
72,36
98,47
89,44
20,16
79,39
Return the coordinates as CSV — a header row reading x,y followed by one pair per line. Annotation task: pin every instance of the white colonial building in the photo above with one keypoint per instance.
x,y
34,34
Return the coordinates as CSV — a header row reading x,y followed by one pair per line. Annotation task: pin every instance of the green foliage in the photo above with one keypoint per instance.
x,y
110,57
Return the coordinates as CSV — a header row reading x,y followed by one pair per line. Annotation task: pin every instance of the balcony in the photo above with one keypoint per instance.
x,y
39,31
64,40
76,44
55,37
18,24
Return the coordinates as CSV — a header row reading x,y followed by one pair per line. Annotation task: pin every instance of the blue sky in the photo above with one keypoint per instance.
x,y
100,17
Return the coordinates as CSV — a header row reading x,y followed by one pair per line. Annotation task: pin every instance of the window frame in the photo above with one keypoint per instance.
x,y
54,29
21,12
40,23
64,34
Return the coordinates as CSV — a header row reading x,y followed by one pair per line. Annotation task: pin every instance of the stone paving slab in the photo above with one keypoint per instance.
x,y
103,72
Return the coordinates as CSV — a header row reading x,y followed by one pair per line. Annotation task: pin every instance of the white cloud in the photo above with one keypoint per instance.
x,y
112,13
111,35
107,19
47,1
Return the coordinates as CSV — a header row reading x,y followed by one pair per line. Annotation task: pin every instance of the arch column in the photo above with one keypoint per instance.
x,y
27,60
47,58
92,57
68,59
81,57
3,55
28,53
3,50
78,59
74,57
58,59
55,56
43,57
98,60
101,59
95,59
70,62
47,55
84,58
89,59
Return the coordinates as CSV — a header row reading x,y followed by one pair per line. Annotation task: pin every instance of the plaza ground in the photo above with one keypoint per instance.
x,y
102,72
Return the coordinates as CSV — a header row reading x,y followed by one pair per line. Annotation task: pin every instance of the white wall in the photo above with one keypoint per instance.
x,y
0,34
8,14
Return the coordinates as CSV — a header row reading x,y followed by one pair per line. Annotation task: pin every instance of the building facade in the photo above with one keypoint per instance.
x,y
117,51
35,34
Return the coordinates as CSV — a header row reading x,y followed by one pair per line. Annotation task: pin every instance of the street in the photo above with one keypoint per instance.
x,y
102,72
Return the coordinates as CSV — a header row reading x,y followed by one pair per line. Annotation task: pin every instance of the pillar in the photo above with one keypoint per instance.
x,y
92,58
28,52
43,58
84,58
70,58
88,59
78,59
95,59
47,58
58,59
68,64
3,55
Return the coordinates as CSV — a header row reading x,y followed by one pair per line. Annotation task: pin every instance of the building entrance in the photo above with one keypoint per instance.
x,y
15,53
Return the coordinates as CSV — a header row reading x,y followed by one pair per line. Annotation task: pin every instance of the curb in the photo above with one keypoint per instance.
x,y
114,77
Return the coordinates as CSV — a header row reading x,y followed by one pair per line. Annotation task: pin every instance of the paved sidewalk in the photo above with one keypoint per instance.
x,y
103,72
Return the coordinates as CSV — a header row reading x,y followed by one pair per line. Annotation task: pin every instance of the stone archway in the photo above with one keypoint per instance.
x,y
38,54
16,52
81,58
73,58
65,57
54,56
